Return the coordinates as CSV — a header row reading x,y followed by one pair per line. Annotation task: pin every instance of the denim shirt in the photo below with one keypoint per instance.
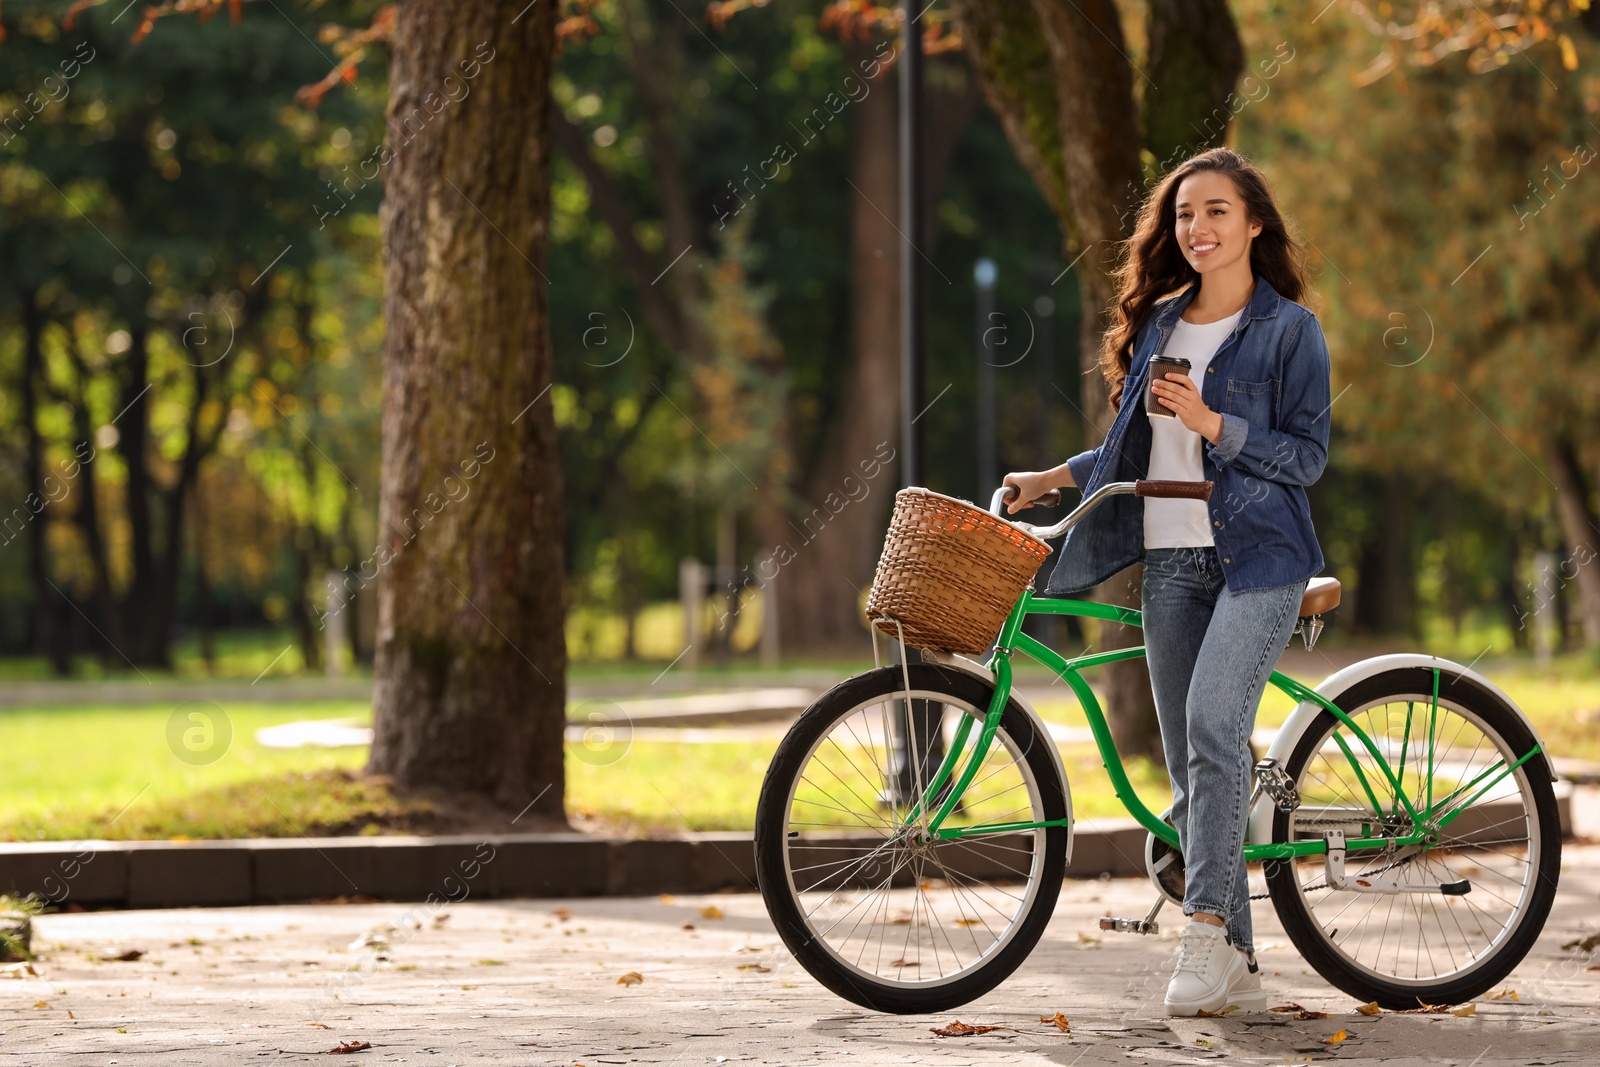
x,y
1270,380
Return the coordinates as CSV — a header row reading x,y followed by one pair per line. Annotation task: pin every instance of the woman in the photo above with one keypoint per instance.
x,y
1222,578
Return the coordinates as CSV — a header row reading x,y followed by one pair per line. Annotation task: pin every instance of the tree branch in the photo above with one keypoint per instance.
x,y
1098,121
1195,61
662,314
1007,51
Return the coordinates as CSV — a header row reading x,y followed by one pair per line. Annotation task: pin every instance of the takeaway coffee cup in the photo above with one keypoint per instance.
x,y
1160,365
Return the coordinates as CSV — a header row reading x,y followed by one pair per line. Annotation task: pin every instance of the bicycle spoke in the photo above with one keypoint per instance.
x,y
954,916
1441,751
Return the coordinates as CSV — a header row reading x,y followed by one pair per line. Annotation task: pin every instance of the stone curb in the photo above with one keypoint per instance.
x,y
178,874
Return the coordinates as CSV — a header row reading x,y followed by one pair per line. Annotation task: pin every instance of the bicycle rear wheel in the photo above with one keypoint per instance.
x,y
871,909
1407,949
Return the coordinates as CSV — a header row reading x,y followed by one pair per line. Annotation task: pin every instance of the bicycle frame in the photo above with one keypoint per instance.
x,y
1426,820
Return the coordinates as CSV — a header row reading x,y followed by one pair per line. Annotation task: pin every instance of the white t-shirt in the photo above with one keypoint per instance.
x,y
1175,449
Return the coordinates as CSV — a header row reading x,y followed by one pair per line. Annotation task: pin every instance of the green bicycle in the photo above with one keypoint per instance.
x,y
1404,816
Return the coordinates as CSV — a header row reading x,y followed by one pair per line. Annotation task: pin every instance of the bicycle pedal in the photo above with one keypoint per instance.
x,y
1130,926
1277,784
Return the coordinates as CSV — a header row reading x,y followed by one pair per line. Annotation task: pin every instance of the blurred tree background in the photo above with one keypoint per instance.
x,y
191,295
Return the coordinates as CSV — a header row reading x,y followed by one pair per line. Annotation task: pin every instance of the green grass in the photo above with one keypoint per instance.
x,y
659,787
239,654
67,772
105,772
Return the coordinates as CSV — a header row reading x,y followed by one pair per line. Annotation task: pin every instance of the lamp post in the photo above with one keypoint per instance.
x,y
984,273
915,729
913,362
1044,368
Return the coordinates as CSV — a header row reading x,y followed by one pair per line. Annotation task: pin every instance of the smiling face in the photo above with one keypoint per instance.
x,y
1212,224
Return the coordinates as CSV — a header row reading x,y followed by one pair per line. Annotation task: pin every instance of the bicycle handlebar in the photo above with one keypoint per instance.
x,y
1143,487
1007,493
1180,490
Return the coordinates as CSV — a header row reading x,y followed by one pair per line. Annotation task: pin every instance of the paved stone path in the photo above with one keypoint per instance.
x,y
536,982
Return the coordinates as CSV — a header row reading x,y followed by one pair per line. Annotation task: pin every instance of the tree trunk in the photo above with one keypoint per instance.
x,y
87,513
1386,587
1195,55
308,576
470,685
1060,79
654,48
1581,533
50,632
354,602
161,609
204,610
133,428
1007,50
1100,152
1511,591
834,554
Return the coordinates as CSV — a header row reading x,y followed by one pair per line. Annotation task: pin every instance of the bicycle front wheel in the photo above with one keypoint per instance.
x,y
870,906
1494,837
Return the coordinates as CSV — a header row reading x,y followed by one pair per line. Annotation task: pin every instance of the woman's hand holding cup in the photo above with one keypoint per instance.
x,y
1177,393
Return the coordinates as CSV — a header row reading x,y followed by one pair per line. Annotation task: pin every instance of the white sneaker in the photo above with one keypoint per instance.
x,y
1210,974
1246,993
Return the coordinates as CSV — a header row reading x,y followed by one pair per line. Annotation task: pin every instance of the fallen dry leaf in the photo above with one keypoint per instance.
x,y
1342,1035
759,968
1583,944
376,940
1227,1009
1505,994
17,970
561,913
1205,1042
631,978
904,963
1297,1012
960,1029
1087,939
125,957
324,1026
40,1004
1465,1011
1369,1008
1057,1020
711,911
688,926
348,1046
964,922
668,898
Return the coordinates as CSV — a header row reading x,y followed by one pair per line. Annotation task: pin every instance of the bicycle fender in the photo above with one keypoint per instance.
x,y
1040,728
1259,830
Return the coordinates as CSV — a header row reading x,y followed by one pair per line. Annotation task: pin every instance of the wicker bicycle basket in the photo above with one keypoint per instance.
x,y
950,573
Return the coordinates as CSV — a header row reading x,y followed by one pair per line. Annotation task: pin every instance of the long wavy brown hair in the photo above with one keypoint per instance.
x,y
1152,265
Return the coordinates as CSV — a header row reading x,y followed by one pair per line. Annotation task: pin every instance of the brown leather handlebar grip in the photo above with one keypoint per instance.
x,y
1049,500
1179,490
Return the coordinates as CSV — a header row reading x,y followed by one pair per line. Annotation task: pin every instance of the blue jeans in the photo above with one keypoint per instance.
x,y
1210,651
